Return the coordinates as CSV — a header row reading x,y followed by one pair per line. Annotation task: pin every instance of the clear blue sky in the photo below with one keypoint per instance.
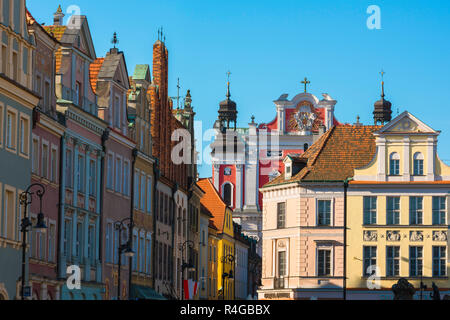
x,y
270,46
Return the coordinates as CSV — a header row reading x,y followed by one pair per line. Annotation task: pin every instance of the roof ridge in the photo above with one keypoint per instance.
x,y
326,139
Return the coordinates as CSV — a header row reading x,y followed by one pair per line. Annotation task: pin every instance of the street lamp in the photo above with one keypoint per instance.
x,y
189,266
228,259
124,249
26,198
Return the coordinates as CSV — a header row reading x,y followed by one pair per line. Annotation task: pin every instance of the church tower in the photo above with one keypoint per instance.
x,y
383,108
227,112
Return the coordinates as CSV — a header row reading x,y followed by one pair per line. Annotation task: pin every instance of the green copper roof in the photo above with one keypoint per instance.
x,y
142,72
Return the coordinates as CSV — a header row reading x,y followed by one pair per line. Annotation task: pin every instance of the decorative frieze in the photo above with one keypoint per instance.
x,y
392,235
440,236
416,236
370,236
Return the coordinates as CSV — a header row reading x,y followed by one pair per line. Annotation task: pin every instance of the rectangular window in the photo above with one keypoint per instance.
x,y
35,156
91,244
10,214
126,179
369,260
418,167
108,242
79,240
4,59
92,178
118,175
44,164
370,210
77,94
80,174
117,112
324,213
67,238
11,130
2,109
54,165
415,210
394,166
324,262
69,169
393,210
148,249
439,261
15,66
47,96
142,191
281,215
24,136
39,85
415,261
136,190
110,176
392,261
142,254
149,195
439,210
51,243
282,264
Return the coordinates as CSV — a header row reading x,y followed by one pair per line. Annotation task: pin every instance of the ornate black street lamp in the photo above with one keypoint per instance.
x,y
26,198
228,259
185,265
123,249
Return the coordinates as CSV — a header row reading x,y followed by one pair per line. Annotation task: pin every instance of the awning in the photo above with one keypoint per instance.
x,y
144,293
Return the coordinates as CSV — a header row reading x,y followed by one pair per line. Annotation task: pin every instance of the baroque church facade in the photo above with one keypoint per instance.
x,y
245,159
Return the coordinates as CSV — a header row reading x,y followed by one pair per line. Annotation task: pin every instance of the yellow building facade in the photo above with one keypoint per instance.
x,y
223,238
397,214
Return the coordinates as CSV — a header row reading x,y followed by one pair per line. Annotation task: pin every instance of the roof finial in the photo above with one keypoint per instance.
x,y
159,34
59,10
253,119
115,40
228,85
382,82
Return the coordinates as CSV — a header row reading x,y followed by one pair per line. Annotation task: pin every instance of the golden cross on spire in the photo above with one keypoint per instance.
x,y
306,82
382,82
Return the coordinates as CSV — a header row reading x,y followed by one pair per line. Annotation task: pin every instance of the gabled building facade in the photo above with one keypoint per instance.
x,y
223,221
17,101
398,217
109,80
82,155
304,217
47,130
139,115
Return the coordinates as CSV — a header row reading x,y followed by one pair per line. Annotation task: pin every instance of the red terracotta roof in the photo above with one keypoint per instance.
x,y
336,155
213,202
56,31
94,70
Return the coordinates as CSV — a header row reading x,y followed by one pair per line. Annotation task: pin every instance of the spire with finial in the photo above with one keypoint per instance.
x,y
227,111
58,17
115,40
383,108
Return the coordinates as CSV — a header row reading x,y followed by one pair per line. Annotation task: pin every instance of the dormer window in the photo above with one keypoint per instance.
x,y
394,164
288,172
418,164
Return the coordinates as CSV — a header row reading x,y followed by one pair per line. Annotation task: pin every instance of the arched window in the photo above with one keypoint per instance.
x,y
418,164
227,194
394,164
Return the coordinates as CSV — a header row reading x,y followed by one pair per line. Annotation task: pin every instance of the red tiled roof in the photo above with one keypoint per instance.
x,y
213,202
94,70
336,155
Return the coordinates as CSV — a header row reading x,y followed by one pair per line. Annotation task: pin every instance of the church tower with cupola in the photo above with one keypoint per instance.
x,y
246,158
383,108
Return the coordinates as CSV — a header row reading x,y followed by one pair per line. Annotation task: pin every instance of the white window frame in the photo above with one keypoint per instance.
x,y
328,247
118,173
332,205
232,192
15,113
47,144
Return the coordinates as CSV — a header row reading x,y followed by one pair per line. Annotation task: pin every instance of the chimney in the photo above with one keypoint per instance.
x,y
58,17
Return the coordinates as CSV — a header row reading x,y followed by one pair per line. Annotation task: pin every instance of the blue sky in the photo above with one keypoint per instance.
x,y
270,46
